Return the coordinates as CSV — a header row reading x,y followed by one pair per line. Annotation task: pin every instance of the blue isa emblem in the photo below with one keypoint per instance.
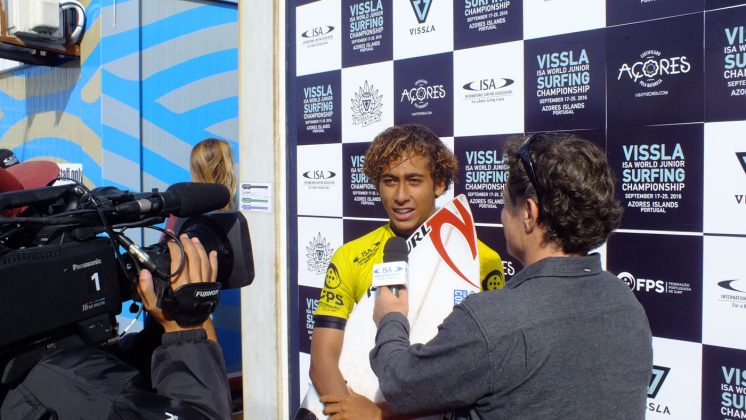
x,y
423,90
725,75
647,72
366,32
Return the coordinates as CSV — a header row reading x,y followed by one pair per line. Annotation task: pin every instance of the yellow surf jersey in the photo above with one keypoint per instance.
x,y
350,274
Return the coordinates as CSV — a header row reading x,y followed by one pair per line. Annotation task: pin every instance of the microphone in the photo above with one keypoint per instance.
x,y
393,270
183,199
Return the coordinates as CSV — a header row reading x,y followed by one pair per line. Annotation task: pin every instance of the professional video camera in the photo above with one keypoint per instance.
x,y
63,278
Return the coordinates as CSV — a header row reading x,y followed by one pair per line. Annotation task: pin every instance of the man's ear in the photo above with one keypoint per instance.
x,y
530,214
440,187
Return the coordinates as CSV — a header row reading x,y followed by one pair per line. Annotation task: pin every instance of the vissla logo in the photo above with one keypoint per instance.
x,y
487,84
649,70
317,32
656,382
421,93
421,9
319,174
742,160
366,106
318,254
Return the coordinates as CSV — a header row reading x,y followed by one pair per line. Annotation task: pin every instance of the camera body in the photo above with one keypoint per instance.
x,y
63,283
52,286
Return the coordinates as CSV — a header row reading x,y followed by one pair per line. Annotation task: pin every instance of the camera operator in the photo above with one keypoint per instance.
x,y
188,372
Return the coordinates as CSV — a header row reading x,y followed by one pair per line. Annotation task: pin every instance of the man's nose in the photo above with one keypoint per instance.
x,y
402,193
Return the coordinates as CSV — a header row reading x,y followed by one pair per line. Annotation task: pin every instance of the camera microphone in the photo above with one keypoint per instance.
x,y
183,199
392,272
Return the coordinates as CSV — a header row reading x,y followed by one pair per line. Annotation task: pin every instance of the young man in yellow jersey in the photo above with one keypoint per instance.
x,y
410,166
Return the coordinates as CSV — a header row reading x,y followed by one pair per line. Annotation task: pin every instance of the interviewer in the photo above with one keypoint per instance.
x,y
564,339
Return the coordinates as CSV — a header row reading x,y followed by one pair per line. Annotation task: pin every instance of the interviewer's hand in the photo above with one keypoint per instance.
x,y
387,302
353,406
199,267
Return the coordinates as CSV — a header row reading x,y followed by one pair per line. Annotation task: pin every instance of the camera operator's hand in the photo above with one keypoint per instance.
x,y
199,267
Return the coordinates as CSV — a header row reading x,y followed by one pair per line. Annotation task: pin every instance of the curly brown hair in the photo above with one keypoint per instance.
x,y
578,208
404,141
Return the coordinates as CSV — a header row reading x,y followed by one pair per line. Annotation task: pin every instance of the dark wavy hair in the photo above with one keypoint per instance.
x,y
578,208
404,141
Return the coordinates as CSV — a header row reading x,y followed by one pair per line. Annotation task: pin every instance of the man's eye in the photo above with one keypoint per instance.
x,y
415,181
389,181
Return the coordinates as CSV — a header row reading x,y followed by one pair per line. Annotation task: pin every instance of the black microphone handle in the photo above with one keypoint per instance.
x,y
395,250
188,199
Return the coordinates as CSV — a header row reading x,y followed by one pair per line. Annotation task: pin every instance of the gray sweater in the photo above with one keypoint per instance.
x,y
563,340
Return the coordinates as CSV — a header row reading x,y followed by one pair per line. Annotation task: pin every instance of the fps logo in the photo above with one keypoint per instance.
x,y
644,285
366,106
649,70
318,254
422,93
654,286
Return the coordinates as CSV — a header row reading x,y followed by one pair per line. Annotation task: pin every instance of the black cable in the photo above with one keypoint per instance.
x,y
182,262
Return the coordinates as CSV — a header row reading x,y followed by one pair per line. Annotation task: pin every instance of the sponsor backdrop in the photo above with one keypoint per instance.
x,y
659,84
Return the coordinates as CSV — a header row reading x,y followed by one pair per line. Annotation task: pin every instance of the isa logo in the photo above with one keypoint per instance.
x,y
724,292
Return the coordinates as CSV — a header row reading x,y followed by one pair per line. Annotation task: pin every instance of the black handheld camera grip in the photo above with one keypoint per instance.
x,y
191,304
